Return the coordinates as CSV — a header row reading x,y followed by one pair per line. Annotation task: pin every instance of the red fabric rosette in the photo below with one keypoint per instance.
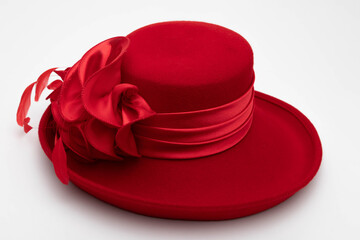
x,y
93,110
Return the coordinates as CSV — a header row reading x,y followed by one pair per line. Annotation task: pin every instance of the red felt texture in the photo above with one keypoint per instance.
x,y
280,154
166,122
173,63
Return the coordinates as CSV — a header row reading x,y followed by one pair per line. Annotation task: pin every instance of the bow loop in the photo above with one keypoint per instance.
x,y
100,65
103,55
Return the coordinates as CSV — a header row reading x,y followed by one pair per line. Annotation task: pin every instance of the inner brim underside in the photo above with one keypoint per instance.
x,y
280,154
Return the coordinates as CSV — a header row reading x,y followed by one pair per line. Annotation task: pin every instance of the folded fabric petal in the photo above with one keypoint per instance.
x,y
59,160
56,87
132,106
55,111
74,138
125,142
71,105
101,137
122,106
77,136
70,102
100,73
104,55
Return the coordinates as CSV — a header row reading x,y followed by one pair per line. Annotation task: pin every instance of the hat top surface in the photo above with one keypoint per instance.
x,y
173,61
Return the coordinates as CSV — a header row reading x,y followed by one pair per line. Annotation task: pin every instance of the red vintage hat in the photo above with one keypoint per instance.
x,y
165,122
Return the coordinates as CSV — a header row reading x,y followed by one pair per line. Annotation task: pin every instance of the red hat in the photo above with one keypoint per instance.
x,y
166,122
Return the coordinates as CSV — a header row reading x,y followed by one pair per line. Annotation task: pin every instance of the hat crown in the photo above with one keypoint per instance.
x,y
185,66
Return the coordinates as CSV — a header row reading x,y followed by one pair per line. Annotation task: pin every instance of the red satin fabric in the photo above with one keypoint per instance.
x,y
198,77
25,101
98,117
195,134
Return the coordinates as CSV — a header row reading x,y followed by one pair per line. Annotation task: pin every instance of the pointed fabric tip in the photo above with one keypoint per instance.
x,y
54,95
59,160
125,141
55,84
24,105
42,81
62,73
27,127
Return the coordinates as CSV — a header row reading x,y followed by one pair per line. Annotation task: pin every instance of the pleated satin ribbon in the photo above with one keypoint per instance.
x,y
185,135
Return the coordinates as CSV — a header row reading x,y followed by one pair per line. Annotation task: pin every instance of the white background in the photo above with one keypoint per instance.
x,y
306,53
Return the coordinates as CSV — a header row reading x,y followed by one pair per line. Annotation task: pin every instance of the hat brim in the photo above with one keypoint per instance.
x,y
280,155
